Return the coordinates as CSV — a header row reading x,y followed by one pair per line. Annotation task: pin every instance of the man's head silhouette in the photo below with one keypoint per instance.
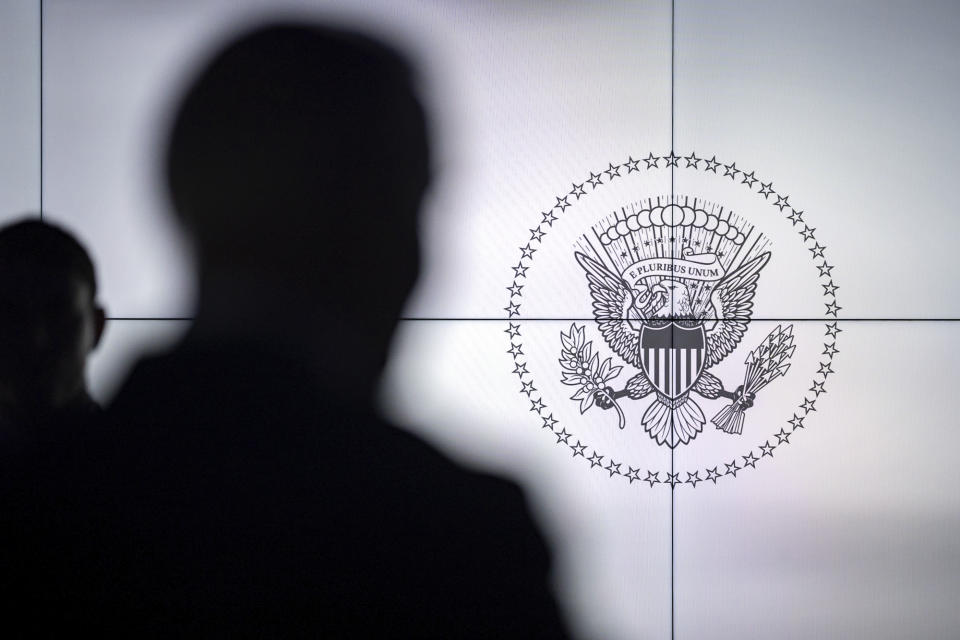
x,y
298,159
242,460
49,320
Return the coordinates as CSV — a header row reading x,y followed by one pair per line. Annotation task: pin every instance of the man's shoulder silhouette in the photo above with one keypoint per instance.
x,y
352,523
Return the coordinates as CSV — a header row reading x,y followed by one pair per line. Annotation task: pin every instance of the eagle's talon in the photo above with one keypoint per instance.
x,y
745,399
604,397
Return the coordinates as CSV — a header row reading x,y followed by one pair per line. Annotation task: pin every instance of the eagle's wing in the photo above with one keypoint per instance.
x,y
612,298
736,293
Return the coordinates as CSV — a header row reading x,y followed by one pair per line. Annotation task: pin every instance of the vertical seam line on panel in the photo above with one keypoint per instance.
x,y
40,82
672,313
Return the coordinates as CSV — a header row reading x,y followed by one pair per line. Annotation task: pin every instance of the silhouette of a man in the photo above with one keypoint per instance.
x,y
50,322
244,484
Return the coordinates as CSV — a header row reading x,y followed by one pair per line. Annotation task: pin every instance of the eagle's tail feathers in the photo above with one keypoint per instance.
x,y
673,422
656,420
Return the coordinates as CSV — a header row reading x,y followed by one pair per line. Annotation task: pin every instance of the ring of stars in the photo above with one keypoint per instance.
x,y
602,463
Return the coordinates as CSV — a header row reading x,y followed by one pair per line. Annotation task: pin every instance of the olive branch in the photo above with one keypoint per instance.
x,y
582,369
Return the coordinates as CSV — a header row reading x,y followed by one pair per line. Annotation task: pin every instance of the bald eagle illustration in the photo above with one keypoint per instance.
x,y
673,338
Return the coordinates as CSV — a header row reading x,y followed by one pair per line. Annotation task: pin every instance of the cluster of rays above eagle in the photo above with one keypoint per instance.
x,y
673,323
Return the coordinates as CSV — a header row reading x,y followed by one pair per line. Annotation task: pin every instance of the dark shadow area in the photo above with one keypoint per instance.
x,y
243,485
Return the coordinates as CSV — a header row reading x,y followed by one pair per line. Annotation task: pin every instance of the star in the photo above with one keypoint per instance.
x,y
829,350
512,309
825,370
563,436
515,350
693,161
782,202
766,189
562,203
829,289
651,161
693,478
631,165
548,217
712,475
521,369
537,405
817,250
807,406
578,449
595,460
750,460
782,437
536,234
652,478
520,271
612,171
833,308
807,233
796,422
513,330
672,479
712,164
825,270
767,449
833,329
577,190
671,159
613,468
731,170
732,468
514,289
633,474
817,388
594,179
748,179
549,422
528,388
646,243
526,251
623,254
796,217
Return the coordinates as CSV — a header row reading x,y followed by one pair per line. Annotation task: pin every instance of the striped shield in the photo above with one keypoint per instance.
x,y
672,357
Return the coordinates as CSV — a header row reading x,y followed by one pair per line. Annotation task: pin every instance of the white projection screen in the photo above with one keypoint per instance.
x,y
680,147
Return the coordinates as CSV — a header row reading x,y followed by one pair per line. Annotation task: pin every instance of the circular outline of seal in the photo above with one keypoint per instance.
x,y
612,172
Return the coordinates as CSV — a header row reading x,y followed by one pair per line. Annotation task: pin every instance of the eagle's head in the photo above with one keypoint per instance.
x,y
648,302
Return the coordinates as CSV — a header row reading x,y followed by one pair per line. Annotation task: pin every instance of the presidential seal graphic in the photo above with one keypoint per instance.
x,y
672,320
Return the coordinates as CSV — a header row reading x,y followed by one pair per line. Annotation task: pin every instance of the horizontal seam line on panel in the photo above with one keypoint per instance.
x,y
149,318
561,319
